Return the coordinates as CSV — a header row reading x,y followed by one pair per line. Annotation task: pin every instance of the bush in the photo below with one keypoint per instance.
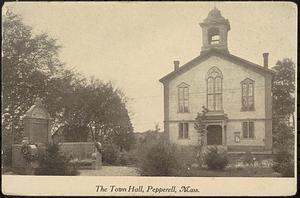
x,y
159,160
216,160
248,158
110,153
284,164
52,162
7,156
132,157
122,158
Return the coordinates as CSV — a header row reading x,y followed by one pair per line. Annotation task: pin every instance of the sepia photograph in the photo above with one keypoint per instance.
x,y
149,98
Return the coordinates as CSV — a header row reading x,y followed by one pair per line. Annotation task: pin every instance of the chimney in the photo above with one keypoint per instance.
x,y
176,65
266,59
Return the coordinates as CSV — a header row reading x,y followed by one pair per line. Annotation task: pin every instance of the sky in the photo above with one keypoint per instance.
x,y
134,44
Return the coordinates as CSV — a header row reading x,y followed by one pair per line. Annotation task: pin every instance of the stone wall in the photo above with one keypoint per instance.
x,y
80,150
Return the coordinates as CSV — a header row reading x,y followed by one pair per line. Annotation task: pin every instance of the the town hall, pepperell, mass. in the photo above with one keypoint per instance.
x,y
236,92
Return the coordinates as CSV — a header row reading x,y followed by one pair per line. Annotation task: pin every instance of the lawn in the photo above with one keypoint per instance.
x,y
233,172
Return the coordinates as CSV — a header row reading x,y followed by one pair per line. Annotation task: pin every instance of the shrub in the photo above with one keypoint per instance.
x,y
52,162
132,157
248,158
284,164
7,156
159,160
216,160
110,153
187,159
122,158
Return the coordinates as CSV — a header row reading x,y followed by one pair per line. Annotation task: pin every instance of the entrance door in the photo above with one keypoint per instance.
x,y
214,135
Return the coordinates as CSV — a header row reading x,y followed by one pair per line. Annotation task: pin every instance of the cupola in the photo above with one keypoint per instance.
x,y
214,31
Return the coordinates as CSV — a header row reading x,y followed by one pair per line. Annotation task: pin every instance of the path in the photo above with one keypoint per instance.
x,y
111,171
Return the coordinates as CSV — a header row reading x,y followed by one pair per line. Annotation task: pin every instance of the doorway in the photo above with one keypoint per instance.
x,y
214,135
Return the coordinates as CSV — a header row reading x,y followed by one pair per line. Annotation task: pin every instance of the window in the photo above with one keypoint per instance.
x,y
213,36
183,98
248,129
247,95
214,89
215,39
183,130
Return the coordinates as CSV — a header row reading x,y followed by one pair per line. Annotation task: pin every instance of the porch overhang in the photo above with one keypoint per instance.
x,y
215,116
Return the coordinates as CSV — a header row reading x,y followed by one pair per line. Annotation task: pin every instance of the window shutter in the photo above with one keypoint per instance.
x,y
245,129
251,129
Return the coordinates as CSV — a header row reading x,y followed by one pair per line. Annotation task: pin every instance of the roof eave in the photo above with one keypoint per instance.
x,y
208,54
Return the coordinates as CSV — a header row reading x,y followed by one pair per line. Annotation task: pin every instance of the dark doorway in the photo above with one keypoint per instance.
x,y
214,135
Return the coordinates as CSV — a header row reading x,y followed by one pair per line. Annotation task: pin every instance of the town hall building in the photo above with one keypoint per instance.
x,y
236,92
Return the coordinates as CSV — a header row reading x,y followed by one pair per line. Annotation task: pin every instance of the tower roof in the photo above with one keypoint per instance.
x,y
215,16
214,13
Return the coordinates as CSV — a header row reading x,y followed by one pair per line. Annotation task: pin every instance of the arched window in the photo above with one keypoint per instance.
x,y
247,94
214,89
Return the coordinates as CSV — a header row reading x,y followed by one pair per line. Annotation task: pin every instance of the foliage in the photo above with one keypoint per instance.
x,y
283,90
283,137
201,130
186,160
7,155
28,62
125,158
53,162
248,158
284,164
27,153
75,133
110,154
216,160
159,160
79,106
6,147
131,158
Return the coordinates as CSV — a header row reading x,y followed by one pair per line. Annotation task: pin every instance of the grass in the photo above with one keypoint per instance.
x,y
234,172
6,170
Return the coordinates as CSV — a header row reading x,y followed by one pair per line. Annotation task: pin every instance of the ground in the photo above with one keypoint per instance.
x,y
194,172
234,172
203,172
111,171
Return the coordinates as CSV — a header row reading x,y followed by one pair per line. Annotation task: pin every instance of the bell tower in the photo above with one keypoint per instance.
x,y
214,31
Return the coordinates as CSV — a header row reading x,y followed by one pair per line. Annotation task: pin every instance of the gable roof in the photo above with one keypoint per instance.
x,y
214,52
